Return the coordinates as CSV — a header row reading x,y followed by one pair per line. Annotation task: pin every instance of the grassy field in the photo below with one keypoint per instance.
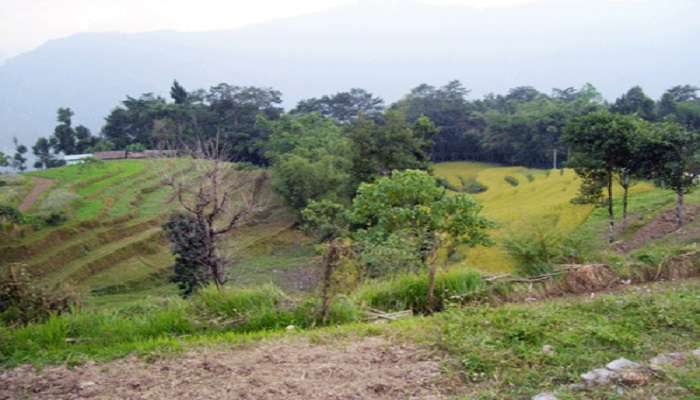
x,y
540,200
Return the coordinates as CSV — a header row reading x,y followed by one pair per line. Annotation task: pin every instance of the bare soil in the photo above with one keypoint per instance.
x,y
369,368
661,226
41,185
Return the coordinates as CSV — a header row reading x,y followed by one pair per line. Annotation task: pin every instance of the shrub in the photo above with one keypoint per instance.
x,y
442,181
534,253
471,185
409,291
22,301
530,177
10,215
512,181
55,218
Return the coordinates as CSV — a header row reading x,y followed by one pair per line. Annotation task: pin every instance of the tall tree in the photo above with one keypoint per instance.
x,y
178,93
45,157
378,148
343,107
4,160
678,94
19,160
635,101
600,142
675,161
63,135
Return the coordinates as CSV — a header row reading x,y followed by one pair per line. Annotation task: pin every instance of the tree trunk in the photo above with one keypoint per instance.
x,y
554,156
432,271
680,209
329,262
611,215
626,188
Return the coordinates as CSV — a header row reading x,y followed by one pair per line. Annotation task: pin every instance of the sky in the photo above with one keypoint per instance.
x,y
26,24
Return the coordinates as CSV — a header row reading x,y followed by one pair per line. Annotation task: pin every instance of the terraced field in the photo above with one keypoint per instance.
x,y
540,199
112,245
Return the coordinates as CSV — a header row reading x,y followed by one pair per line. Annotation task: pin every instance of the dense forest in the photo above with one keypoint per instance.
x,y
522,127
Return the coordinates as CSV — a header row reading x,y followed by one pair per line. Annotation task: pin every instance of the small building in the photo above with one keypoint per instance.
x,y
73,159
110,155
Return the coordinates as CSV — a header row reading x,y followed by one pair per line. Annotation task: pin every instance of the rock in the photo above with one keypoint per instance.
x,y
667,360
577,387
545,396
634,378
548,350
86,385
600,376
622,364
696,353
291,327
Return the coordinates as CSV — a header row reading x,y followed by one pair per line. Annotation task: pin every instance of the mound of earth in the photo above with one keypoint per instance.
x,y
371,368
661,226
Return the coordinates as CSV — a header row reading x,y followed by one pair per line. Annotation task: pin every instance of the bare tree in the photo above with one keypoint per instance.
x,y
215,199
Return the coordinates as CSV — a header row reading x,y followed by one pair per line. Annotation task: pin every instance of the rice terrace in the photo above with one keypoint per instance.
x,y
532,241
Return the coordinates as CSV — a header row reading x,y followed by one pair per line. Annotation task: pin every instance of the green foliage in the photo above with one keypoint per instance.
x,y
378,148
309,160
188,238
343,107
135,147
325,219
512,181
4,160
538,250
409,291
22,301
10,215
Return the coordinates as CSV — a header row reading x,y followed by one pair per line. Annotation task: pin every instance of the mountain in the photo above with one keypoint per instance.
x,y
386,48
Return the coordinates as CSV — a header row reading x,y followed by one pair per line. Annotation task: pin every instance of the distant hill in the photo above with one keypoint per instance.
x,y
386,49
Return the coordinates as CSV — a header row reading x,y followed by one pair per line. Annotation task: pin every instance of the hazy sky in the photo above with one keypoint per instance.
x,y
26,24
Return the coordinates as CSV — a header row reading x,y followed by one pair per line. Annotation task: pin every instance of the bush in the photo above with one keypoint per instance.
x,y
55,218
10,215
534,253
471,185
512,181
409,291
446,183
530,177
22,302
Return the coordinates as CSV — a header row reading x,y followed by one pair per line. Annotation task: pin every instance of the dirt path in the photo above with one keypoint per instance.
x,y
41,185
370,368
658,228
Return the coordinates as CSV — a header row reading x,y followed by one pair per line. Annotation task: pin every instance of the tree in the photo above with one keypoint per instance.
x,y
635,102
378,148
343,107
178,93
45,158
4,160
674,154
678,94
412,204
19,160
63,139
214,201
310,160
601,142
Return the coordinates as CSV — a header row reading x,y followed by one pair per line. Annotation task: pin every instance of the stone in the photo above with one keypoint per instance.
x,y
545,396
667,360
622,364
548,350
696,353
86,385
291,327
599,376
634,378
577,387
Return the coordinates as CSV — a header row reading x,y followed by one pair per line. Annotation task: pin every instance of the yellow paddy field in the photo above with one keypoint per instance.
x,y
541,199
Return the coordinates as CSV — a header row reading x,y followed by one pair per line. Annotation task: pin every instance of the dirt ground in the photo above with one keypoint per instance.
x,y
41,185
658,228
371,368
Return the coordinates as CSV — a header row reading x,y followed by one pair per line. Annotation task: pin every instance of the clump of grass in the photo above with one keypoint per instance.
x,y
409,291
471,185
512,181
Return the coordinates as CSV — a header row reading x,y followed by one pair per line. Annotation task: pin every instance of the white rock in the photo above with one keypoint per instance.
x,y
600,376
291,327
545,396
696,353
622,364
548,350
86,385
667,360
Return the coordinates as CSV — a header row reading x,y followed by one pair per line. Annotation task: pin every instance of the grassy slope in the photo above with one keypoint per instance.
x,y
110,243
542,202
495,351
